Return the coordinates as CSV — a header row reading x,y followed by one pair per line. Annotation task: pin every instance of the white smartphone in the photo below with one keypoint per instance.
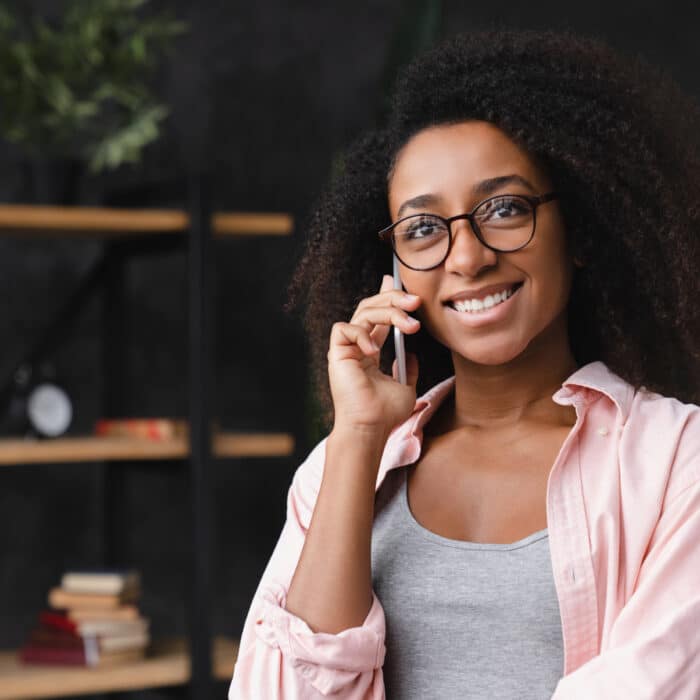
x,y
399,347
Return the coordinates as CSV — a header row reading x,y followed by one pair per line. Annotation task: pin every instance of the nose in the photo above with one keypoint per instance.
x,y
468,255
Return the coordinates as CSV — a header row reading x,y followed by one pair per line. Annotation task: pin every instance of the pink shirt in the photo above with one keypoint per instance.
x,y
623,515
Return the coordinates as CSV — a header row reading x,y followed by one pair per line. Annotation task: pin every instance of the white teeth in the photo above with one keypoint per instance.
x,y
475,305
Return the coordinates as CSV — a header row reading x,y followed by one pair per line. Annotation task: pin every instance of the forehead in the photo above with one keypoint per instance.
x,y
450,159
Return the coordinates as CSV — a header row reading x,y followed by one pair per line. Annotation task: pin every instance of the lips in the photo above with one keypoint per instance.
x,y
482,292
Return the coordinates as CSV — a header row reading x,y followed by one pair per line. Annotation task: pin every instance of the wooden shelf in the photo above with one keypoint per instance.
x,y
253,445
100,222
98,449
167,664
241,224
77,221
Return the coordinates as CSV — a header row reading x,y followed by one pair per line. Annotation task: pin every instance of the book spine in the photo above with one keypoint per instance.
x,y
148,428
57,621
126,613
49,655
104,582
60,599
50,637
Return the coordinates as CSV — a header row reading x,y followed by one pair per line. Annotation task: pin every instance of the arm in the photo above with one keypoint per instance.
x,y
315,627
280,655
654,651
332,585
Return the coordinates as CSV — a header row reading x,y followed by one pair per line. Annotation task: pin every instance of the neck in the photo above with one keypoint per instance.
x,y
501,396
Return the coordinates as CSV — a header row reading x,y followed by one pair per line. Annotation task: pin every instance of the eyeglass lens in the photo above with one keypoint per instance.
x,y
504,223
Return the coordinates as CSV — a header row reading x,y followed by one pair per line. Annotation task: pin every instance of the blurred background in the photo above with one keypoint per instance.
x,y
258,99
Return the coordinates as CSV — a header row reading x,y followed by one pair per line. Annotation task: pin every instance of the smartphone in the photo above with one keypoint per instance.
x,y
399,347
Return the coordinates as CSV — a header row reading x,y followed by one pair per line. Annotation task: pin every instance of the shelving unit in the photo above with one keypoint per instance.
x,y
172,662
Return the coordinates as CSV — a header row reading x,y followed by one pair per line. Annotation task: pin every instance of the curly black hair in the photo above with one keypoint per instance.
x,y
614,134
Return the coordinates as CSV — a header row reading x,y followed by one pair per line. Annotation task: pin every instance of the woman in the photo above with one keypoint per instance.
x,y
528,527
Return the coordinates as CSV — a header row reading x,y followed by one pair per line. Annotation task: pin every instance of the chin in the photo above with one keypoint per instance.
x,y
490,354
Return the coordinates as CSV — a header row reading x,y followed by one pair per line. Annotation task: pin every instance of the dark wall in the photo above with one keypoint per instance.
x,y
263,95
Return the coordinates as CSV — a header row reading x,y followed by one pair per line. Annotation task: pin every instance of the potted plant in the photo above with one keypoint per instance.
x,y
76,92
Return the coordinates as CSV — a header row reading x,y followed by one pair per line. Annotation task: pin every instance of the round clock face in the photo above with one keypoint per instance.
x,y
49,410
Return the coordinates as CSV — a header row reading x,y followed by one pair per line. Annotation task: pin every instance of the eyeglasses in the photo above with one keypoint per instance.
x,y
503,223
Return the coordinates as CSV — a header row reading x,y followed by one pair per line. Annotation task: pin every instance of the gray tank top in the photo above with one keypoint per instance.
x,y
463,619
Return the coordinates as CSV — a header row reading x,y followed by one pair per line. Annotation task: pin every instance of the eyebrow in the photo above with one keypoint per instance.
x,y
481,189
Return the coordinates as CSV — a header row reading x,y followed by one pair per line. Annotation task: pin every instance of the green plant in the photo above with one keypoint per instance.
x,y
80,87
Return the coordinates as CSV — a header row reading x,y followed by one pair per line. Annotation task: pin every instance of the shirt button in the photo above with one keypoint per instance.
x,y
603,431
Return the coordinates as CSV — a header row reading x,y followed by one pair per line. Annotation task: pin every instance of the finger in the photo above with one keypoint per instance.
x,y
379,334
386,316
392,297
344,335
411,369
387,283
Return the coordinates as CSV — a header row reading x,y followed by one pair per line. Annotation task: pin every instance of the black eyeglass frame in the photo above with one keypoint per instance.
x,y
535,200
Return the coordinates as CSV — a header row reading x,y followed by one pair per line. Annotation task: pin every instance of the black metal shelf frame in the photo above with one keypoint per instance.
x,y
115,329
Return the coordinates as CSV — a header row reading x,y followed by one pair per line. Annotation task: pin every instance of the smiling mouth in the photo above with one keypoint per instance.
x,y
476,306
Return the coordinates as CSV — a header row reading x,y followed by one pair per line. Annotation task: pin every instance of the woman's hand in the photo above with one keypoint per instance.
x,y
364,397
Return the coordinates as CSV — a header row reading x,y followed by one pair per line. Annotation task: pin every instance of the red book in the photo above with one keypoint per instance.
x,y
53,646
52,637
29,654
58,620
147,428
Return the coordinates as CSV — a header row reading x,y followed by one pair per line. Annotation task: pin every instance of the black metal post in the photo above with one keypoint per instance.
x,y
114,356
200,437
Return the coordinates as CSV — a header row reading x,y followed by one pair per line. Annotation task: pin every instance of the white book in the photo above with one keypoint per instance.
x,y
132,641
100,581
113,628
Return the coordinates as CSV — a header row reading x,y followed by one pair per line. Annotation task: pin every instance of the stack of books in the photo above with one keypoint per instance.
x,y
94,620
144,428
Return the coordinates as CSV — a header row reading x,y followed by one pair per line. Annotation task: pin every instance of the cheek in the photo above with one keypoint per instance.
x,y
555,277
418,283
423,285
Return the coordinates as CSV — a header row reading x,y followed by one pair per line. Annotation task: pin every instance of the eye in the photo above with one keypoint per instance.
x,y
505,207
421,227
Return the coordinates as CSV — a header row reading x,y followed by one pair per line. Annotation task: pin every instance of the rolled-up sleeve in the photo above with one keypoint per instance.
x,y
654,648
279,656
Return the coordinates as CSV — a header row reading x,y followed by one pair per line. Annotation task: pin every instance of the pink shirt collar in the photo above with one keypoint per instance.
x,y
587,384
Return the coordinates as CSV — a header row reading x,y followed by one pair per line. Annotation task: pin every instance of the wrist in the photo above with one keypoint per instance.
x,y
368,440
363,433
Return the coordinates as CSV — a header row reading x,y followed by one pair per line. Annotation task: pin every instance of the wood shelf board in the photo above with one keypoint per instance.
x,y
77,221
236,224
253,445
99,449
168,663
38,220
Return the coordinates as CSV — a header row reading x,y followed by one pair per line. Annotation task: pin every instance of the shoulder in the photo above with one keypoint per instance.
x,y
666,432
402,447
657,445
